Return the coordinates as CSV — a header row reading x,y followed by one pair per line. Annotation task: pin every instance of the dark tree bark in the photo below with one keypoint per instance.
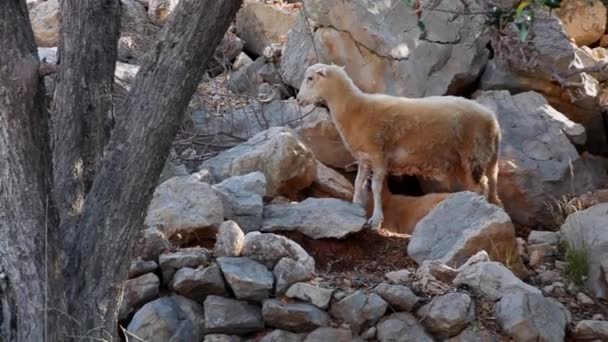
x,y
82,113
83,299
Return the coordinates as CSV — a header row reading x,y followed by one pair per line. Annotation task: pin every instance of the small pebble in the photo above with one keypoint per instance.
x,y
598,317
548,289
584,299
537,257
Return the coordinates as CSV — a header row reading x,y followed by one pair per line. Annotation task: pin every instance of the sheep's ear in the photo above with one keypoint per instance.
x,y
341,67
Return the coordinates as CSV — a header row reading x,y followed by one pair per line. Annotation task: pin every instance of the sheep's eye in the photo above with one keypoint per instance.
x,y
309,78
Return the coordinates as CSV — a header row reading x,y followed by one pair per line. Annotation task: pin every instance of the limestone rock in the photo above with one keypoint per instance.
x,y
584,21
531,317
229,316
330,183
152,244
585,231
447,315
138,291
140,267
460,226
261,24
538,236
588,330
332,334
398,297
269,249
315,295
402,327
315,217
243,199
199,283
169,318
248,279
288,272
398,277
180,206
359,309
297,317
287,163
46,21
185,257
537,160
229,241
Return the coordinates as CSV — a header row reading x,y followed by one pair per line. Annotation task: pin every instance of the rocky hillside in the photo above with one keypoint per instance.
x,y
252,236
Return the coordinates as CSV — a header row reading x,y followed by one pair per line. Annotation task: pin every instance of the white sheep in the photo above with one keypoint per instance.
x,y
447,138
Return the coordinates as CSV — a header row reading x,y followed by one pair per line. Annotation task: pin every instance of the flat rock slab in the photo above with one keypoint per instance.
x,y
317,218
297,317
248,279
186,257
315,295
199,283
229,316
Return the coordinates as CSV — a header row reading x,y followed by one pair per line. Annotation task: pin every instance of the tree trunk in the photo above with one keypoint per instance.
x,y
82,113
105,221
25,179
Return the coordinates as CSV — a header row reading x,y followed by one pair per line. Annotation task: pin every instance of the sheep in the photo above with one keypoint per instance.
x,y
447,138
402,213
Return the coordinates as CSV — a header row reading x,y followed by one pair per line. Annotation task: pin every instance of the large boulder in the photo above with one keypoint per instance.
x,y
383,49
46,21
261,25
172,318
229,316
316,295
243,199
317,218
585,233
583,20
182,206
538,162
289,166
298,317
459,227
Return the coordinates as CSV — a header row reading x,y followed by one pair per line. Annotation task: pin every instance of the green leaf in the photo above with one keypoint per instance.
x,y
523,31
421,26
521,7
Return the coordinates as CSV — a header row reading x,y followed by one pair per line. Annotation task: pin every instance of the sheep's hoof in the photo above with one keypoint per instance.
x,y
373,224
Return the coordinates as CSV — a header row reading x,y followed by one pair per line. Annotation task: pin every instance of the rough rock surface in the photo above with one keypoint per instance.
x,y
532,317
588,330
539,236
229,241
583,20
159,10
447,315
243,199
297,317
398,277
380,41
138,291
186,257
586,231
537,160
269,249
331,334
172,318
282,336
261,25
473,334
359,309
199,283
229,316
288,272
46,21
222,338
140,267
316,295
152,244
180,206
399,297
330,183
289,166
315,217
402,327
248,279
460,226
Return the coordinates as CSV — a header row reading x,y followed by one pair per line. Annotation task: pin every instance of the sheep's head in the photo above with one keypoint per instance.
x,y
315,84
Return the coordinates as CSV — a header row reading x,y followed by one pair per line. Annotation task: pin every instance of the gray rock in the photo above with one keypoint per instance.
x,y
447,315
48,54
229,241
269,248
45,18
359,309
585,231
172,318
229,316
473,334
282,336
315,295
542,162
460,226
492,280
289,166
152,244
331,334
531,317
288,272
399,297
330,183
172,169
398,277
243,199
402,327
140,267
180,206
186,257
222,338
539,236
248,279
160,10
138,291
317,218
588,330
199,283
297,317
390,49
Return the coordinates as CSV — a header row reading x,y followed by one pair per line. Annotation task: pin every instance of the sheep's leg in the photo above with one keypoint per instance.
x,y
377,182
362,174
492,175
